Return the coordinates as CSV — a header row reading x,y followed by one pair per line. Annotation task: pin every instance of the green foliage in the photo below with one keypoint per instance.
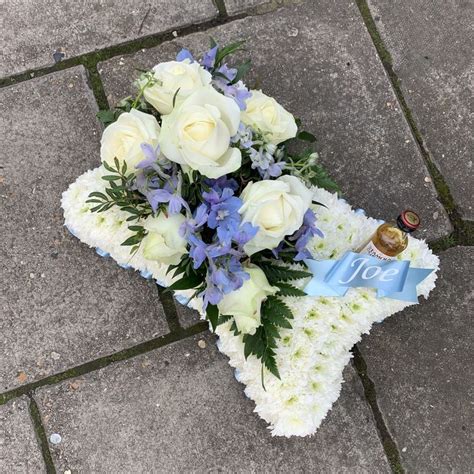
x,y
107,117
119,193
187,282
234,329
146,79
223,318
306,136
286,289
242,70
275,314
319,177
306,166
279,273
137,237
192,188
176,95
222,53
212,314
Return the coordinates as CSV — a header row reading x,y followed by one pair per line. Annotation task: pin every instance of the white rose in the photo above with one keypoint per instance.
x,y
269,117
277,207
197,133
122,139
244,304
171,76
163,242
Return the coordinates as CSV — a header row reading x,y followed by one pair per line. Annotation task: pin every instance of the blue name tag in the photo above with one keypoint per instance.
x,y
392,279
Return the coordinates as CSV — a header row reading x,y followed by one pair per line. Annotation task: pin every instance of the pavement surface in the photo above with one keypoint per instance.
x,y
91,382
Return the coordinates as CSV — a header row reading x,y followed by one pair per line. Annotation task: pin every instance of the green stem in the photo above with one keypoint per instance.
x,y
141,92
263,373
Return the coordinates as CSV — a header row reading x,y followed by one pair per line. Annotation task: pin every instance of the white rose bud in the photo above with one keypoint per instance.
x,y
123,138
163,242
182,76
269,117
197,133
244,304
277,207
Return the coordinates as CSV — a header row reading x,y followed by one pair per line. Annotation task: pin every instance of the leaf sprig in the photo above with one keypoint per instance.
x,y
275,314
120,193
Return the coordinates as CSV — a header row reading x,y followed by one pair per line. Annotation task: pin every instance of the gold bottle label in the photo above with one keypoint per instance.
x,y
373,251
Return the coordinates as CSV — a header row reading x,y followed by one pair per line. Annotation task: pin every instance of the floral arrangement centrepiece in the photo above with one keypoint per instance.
x,y
204,188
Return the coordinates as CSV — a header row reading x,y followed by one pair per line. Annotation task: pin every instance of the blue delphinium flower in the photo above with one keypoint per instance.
x,y
225,218
244,234
303,235
264,162
244,136
240,94
276,251
222,249
228,72
230,276
194,224
159,181
184,54
223,212
237,91
159,196
223,277
224,81
219,184
212,294
154,163
199,250
209,58
151,156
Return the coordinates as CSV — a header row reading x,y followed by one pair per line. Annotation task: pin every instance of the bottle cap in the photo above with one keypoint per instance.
x,y
408,221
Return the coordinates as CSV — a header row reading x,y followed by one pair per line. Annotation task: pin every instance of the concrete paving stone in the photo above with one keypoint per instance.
x,y
187,317
179,409
431,46
38,34
19,450
239,6
318,60
421,364
60,303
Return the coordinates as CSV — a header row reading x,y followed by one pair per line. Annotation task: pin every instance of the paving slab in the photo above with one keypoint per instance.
x,y
19,450
318,60
187,317
421,364
179,409
431,46
239,6
36,36
60,304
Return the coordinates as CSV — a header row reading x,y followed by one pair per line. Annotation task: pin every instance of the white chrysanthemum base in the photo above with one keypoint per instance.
x,y
312,355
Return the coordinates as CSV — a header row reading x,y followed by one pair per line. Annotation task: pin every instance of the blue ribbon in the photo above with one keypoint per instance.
x,y
392,279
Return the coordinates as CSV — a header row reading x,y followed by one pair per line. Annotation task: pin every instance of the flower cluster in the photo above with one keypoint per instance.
x,y
204,169
219,213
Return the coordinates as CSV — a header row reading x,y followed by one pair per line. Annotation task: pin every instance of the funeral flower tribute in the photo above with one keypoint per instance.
x,y
204,187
